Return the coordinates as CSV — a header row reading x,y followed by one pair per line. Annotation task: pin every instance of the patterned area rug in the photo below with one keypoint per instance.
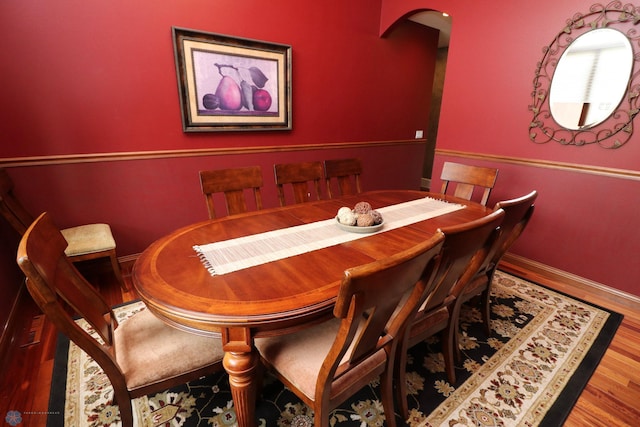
x,y
543,349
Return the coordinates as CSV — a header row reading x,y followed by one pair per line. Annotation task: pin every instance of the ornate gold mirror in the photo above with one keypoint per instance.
x,y
585,89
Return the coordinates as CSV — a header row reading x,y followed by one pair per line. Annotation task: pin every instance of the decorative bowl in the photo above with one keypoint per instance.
x,y
356,229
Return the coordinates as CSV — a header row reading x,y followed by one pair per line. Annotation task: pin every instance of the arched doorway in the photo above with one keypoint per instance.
x,y
442,22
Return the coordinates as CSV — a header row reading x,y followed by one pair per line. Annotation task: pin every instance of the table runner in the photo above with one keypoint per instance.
x,y
231,255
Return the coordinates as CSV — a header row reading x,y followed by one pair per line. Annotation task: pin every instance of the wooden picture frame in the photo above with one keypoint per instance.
x,y
228,83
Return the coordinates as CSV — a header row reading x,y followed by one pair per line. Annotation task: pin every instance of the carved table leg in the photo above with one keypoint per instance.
x,y
243,371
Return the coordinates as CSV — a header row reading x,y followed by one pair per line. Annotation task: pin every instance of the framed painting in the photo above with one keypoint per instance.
x,y
227,83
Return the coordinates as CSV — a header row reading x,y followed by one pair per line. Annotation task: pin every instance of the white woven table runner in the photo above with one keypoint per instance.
x,y
243,252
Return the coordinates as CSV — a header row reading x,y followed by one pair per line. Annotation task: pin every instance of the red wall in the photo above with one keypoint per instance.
x,y
584,224
92,77
96,78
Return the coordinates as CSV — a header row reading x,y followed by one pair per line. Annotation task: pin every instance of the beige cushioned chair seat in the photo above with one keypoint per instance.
x,y
148,349
85,239
299,356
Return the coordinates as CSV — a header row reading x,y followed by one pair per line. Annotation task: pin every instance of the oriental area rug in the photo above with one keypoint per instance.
x,y
542,351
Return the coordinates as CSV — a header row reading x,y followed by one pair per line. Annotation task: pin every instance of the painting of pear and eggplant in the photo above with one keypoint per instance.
x,y
229,83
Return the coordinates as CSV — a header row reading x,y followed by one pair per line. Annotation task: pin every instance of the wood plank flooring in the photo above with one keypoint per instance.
x,y
611,397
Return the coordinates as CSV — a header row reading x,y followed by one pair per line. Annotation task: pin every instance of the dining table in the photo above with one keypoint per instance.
x,y
277,270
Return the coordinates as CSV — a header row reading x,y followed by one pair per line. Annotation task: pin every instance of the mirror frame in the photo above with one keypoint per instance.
x,y
617,128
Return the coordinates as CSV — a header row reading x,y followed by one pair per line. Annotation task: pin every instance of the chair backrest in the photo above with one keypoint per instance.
x,y
233,183
375,303
347,172
517,213
55,284
10,207
299,175
465,248
467,178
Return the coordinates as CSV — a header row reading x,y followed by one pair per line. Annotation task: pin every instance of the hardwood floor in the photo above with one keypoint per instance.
x,y
26,373
610,398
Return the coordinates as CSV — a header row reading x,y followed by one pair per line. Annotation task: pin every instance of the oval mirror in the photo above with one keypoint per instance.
x,y
591,78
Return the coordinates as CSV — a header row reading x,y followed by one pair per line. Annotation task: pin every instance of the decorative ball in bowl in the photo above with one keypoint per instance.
x,y
359,219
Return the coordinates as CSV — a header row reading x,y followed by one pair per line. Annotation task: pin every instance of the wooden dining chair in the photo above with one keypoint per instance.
x,y
303,177
329,362
86,242
233,183
518,212
346,172
466,178
141,355
465,248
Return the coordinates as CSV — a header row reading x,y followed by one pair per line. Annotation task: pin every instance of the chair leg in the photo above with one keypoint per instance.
x,y
386,386
486,301
486,311
448,342
124,404
451,333
457,354
400,375
321,416
126,415
116,270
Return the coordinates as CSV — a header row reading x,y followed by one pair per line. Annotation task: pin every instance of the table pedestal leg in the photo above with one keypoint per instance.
x,y
243,371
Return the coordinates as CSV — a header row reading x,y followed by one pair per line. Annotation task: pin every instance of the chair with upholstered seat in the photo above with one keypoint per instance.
x,y
518,212
304,179
466,178
232,183
86,242
329,362
465,248
140,355
346,172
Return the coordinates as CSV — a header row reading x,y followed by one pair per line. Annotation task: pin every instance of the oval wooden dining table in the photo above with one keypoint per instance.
x,y
275,297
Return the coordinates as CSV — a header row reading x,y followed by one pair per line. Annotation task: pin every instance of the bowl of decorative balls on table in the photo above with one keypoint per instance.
x,y
359,219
